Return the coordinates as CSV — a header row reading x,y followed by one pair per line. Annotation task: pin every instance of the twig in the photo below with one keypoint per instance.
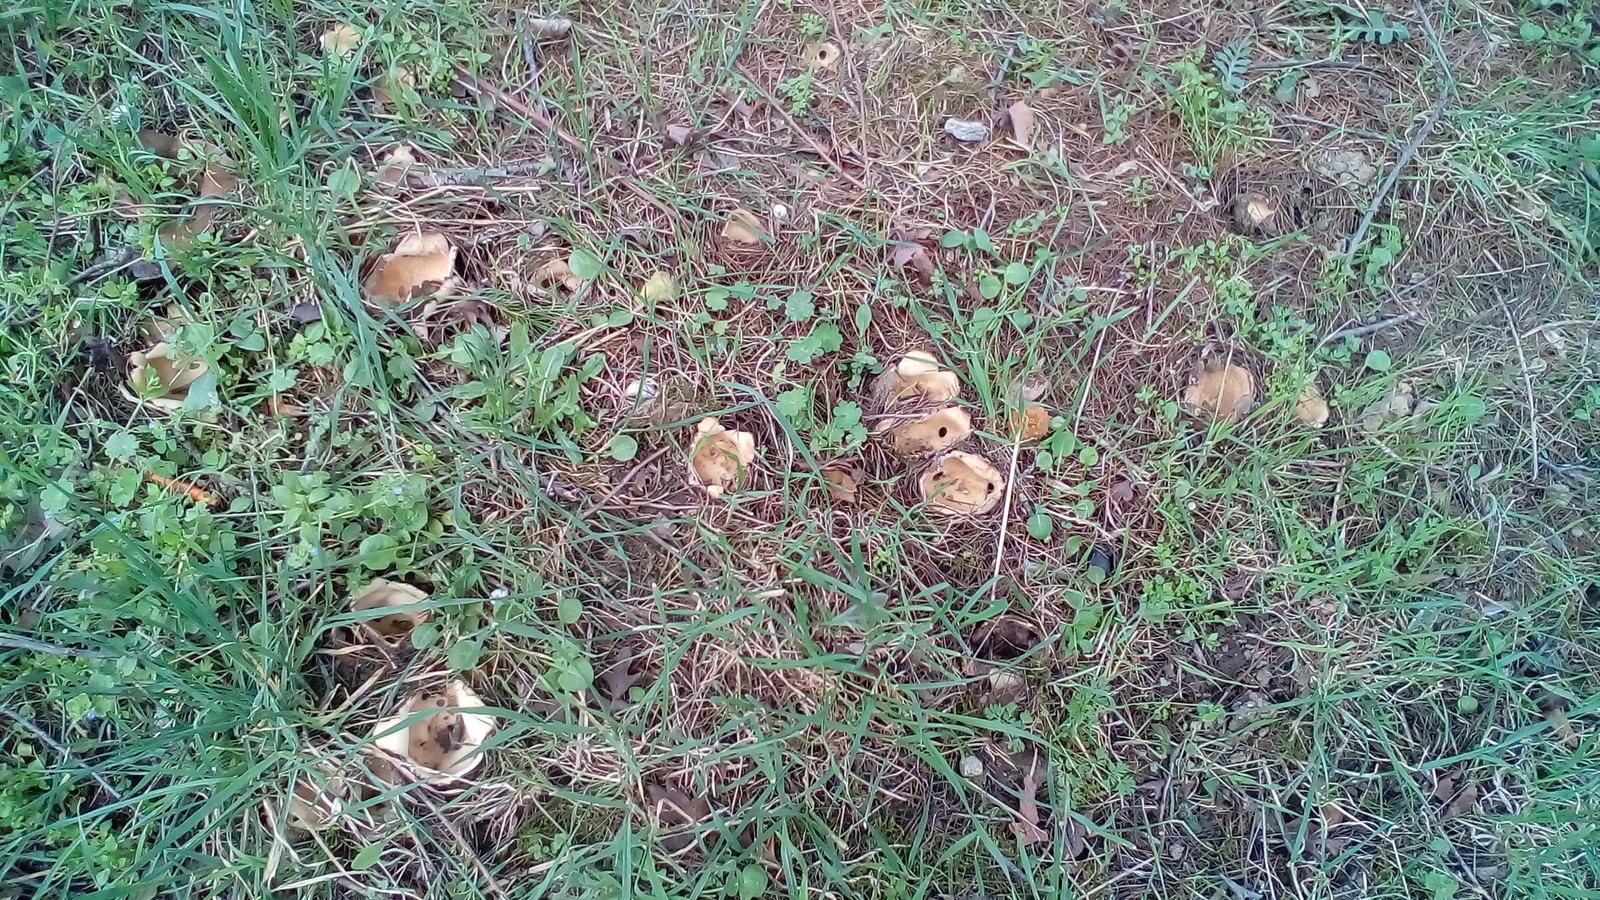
x,y
111,266
622,483
1527,382
539,121
816,145
67,754
1406,152
1359,330
21,643
1329,63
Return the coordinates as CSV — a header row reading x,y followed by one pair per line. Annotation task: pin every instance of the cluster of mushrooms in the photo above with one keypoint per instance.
x,y
432,736
915,417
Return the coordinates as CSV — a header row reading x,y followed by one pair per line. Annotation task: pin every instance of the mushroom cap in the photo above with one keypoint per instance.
x,y
1223,392
443,744
962,484
720,456
380,593
162,374
938,431
419,260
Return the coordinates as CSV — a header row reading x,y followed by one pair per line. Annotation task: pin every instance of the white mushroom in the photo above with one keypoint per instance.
x,y
433,737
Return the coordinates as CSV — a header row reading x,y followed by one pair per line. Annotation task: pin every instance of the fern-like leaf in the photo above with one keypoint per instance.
x,y
1233,63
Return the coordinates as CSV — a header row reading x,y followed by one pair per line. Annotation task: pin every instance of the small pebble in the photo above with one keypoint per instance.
x,y
971,766
964,130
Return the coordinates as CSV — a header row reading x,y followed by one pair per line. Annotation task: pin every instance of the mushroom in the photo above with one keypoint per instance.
x,y
1221,391
316,798
938,431
917,374
1310,408
1031,423
431,735
420,264
841,485
162,373
720,456
381,593
962,484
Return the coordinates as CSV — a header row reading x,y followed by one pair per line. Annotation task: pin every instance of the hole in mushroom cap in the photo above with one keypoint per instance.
x,y
938,431
962,484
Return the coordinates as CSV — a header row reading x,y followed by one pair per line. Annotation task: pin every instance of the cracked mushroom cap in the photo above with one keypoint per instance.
x,y
1221,392
381,593
434,736
939,431
917,374
163,373
962,484
420,264
720,456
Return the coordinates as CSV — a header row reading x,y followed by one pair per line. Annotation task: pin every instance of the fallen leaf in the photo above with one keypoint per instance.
x,y
841,485
160,143
918,374
395,627
937,432
397,164
1022,124
395,83
421,264
316,799
1463,802
962,484
743,227
965,130
1311,409
679,135
547,28
341,40
918,259
1027,825
660,288
823,55
674,809
1221,392
720,456
1031,424
442,746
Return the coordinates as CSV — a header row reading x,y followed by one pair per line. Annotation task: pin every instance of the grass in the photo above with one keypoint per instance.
x,y
1225,659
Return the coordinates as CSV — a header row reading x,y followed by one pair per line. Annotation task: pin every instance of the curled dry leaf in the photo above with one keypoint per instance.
x,y
316,799
547,28
823,55
939,431
720,456
1221,391
1311,409
679,135
917,375
162,374
672,808
841,485
1022,124
421,264
441,741
1031,423
380,593
744,227
1400,403
918,259
660,288
1027,825
341,40
962,484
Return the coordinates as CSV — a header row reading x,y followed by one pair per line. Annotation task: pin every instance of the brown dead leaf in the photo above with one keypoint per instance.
x,y
421,264
744,227
217,180
557,273
1221,392
341,40
1027,827
160,143
720,456
962,484
1031,424
1311,409
841,485
1022,124
918,259
679,135
673,809
939,431
1463,802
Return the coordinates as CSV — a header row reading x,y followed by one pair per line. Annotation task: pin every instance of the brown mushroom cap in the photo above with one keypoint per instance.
x,y
419,264
1221,392
939,431
720,456
443,744
962,484
917,375
380,594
